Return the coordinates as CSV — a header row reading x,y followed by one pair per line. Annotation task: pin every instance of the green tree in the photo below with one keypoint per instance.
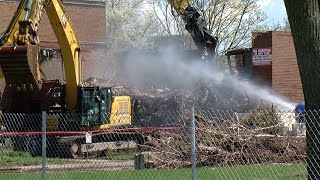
x,y
279,26
304,18
284,26
130,24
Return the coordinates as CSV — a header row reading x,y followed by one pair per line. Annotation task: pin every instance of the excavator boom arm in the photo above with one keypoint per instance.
x,y
70,48
196,26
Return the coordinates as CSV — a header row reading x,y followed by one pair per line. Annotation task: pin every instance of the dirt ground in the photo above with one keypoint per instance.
x,y
75,165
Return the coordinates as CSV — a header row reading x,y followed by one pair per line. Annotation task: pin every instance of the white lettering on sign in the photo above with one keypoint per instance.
x,y
261,56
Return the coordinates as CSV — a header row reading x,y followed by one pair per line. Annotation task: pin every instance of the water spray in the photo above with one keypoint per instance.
x,y
171,65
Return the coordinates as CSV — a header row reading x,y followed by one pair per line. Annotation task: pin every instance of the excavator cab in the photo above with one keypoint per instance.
x,y
94,106
99,109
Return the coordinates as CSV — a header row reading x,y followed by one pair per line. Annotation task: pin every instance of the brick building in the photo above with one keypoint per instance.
x,y
88,18
278,69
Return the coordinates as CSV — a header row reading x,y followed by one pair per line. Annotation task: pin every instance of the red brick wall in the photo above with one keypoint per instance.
x,y
95,63
262,75
89,22
283,76
285,72
262,40
7,10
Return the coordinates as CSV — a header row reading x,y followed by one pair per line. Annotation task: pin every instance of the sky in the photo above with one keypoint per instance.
x,y
274,9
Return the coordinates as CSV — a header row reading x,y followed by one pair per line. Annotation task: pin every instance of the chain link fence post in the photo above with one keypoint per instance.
x,y
193,145
44,145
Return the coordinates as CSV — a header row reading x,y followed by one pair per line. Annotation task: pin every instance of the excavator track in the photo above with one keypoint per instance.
x,y
20,66
76,146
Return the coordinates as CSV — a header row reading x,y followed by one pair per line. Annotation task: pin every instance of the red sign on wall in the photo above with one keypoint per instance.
x,y
261,56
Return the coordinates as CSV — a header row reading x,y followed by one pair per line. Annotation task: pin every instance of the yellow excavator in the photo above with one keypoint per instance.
x,y
27,91
79,107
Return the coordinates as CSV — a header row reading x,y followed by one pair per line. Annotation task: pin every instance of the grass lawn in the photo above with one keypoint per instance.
x,y
16,158
249,172
13,158
121,155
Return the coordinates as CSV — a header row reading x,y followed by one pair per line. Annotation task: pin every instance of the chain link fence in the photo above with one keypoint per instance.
x,y
258,144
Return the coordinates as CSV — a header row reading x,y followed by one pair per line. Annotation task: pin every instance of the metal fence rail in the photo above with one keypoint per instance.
x,y
261,144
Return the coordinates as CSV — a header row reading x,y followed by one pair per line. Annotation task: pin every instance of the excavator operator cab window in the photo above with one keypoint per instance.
x,y
95,106
89,107
105,104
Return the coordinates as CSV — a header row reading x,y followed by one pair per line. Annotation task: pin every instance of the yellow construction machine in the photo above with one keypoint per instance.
x,y
79,108
27,91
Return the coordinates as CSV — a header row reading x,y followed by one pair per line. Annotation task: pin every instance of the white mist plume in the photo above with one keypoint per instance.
x,y
169,68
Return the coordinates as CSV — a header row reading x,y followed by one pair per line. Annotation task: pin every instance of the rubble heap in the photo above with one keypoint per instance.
x,y
152,105
226,143
222,139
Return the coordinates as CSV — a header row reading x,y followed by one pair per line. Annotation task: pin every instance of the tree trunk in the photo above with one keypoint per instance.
x,y
304,19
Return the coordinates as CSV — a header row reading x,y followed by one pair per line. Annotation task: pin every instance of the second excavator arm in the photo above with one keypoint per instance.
x,y
196,26
7,37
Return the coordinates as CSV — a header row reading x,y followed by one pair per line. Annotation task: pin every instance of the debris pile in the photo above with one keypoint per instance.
x,y
222,138
224,143
152,105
